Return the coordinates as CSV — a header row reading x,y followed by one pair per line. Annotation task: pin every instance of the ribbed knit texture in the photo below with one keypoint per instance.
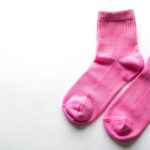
x,y
117,61
117,33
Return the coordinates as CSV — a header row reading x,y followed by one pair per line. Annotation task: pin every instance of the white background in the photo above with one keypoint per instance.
x,y
45,46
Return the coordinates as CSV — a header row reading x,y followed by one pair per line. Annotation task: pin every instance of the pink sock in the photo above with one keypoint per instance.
x,y
130,114
117,61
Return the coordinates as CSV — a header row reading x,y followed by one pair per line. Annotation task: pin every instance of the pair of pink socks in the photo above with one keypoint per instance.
x,y
117,62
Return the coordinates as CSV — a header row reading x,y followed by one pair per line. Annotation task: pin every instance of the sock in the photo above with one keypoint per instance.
x,y
130,114
117,61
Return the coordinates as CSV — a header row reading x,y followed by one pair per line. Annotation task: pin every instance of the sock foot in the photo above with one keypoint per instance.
x,y
127,118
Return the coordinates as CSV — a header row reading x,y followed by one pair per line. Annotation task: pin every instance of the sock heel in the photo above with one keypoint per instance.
x,y
133,64
134,61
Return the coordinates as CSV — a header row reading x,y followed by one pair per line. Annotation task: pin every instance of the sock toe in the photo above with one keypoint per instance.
x,y
121,127
79,109
117,128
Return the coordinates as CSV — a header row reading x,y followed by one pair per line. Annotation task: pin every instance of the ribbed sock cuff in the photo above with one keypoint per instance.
x,y
116,15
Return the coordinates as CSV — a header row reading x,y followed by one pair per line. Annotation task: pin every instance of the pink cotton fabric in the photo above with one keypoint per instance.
x,y
117,61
